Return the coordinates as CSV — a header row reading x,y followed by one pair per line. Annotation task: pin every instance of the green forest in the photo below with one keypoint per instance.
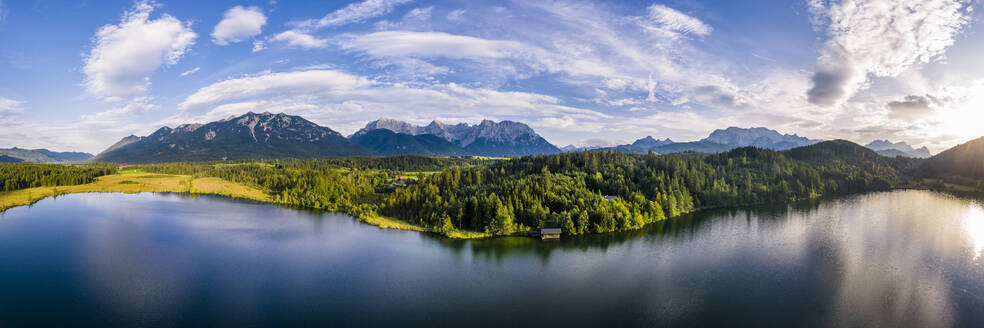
x,y
584,192
563,190
22,176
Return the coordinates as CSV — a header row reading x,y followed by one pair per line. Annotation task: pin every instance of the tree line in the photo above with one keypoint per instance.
x,y
22,176
586,192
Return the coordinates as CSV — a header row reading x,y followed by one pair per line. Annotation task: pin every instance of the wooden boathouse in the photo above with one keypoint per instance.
x,y
546,233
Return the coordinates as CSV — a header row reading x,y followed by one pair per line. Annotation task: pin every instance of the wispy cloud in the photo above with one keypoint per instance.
x,y
346,101
10,111
430,44
668,20
353,13
455,15
190,71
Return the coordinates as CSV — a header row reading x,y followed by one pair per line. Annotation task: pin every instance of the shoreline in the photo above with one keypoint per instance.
x,y
141,182
135,182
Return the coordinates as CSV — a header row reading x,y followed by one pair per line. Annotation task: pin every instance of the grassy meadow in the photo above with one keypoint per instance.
x,y
134,181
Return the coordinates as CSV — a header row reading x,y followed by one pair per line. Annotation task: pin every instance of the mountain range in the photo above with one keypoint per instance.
x,y
573,148
488,138
251,135
720,140
889,149
41,156
757,137
281,136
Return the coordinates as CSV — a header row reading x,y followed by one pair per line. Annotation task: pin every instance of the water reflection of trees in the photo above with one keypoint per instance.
x,y
680,228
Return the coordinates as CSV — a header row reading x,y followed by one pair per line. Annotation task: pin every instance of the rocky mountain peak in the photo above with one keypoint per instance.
x,y
650,142
887,147
187,127
507,134
251,135
757,137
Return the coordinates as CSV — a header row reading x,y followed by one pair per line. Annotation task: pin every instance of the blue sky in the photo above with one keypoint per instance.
x,y
79,75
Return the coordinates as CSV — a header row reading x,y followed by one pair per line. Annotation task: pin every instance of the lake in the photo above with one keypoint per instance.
x,y
901,258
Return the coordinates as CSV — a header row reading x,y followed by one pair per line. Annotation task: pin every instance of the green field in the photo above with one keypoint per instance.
x,y
135,181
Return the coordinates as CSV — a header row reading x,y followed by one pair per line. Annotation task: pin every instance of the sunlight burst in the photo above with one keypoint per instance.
x,y
974,226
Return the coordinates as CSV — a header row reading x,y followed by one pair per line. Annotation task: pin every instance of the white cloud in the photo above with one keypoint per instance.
x,y
354,13
297,38
259,45
123,56
239,24
10,111
881,38
190,71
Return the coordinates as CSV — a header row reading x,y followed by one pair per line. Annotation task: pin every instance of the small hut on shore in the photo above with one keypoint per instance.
x,y
546,233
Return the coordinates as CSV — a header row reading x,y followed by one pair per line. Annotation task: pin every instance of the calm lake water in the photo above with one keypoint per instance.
x,y
903,258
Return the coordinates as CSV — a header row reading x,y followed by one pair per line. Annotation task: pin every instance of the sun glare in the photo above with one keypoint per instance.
x,y
964,121
974,226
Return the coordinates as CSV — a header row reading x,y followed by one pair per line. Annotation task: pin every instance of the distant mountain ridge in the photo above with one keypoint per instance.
x,y
572,148
650,142
386,142
281,136
721,140
757,137
44,155
488,138
8,159
266,135
887,148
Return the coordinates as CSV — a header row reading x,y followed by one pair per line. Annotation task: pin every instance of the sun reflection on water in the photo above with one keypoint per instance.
x,y
974,226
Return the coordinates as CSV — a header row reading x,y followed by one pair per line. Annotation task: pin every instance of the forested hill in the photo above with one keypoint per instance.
x,y
963,161
586,192
42,156
836,152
